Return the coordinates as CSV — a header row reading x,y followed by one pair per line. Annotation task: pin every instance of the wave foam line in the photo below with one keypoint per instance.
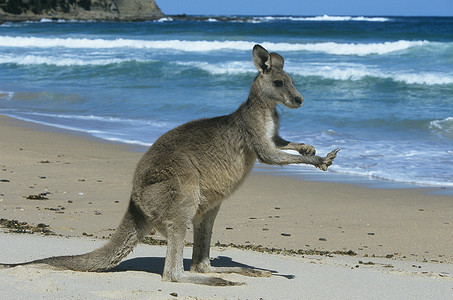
x,y
204,46
66,61
444,126
73,43
96,133
398,178
103,119
123,141
5,95
325,18
228,68
62,62
65,127
360,72
345,72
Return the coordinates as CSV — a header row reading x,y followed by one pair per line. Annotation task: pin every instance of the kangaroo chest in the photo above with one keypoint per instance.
x,y
270,126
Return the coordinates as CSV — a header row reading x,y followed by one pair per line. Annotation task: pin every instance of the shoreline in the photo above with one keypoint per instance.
x,y
307,173
314,175
87,182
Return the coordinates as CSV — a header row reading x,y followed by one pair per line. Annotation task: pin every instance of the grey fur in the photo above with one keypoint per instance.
x,y
190,170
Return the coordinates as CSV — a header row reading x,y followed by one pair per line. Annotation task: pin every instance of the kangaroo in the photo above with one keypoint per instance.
x,y
187,173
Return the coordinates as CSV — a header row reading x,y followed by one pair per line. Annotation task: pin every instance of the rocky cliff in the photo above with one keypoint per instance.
x,y
97,10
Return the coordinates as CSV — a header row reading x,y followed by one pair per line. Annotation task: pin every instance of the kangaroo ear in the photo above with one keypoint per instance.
x,y
261,59
277,61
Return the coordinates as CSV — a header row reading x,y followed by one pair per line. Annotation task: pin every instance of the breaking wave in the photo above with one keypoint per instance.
x,y
341,72
360,49
62,62
443,127
324,18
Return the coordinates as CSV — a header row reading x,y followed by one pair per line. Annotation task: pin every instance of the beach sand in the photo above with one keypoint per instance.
x,y
295,278
88,181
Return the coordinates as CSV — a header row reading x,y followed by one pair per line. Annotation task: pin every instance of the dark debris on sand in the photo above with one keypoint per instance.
x,y
15,226
258,248
263,249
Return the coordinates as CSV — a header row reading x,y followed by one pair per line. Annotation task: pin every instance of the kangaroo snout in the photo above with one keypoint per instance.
x,y
298,100
294,102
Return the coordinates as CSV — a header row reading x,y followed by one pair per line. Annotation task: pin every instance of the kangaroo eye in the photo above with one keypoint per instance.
x,y
278,83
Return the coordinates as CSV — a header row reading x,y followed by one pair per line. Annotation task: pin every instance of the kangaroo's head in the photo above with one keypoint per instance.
x,y
272,83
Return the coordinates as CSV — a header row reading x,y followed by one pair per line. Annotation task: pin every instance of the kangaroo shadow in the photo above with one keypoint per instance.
x,y
156,265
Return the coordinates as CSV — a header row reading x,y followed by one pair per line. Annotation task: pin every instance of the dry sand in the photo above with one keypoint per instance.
x,y
295,278
87,183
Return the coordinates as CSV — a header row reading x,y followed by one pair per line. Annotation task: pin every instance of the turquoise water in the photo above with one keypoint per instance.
x,y
380,88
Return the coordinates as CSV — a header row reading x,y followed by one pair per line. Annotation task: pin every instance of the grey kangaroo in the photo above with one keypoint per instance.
x,y
187,173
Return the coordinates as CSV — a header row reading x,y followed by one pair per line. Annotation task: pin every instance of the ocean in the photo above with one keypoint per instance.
x,y
379,88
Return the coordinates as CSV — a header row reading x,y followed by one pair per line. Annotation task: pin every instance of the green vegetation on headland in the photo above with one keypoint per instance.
x,y
81,10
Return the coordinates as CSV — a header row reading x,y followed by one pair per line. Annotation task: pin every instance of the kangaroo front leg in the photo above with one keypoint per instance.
x,y
322,163
302,148
277,157
202,239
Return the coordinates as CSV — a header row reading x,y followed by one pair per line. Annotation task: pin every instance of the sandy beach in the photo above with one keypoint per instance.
x,y
87,184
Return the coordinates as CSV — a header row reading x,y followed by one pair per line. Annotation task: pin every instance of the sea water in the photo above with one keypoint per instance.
x,y
379,88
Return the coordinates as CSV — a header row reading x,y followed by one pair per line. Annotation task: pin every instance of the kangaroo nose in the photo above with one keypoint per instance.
x,y
298,100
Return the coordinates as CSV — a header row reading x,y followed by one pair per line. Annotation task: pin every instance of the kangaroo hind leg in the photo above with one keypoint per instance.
x,y
174,269
201,262
181,206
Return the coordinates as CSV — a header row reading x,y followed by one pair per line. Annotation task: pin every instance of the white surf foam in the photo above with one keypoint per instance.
x,y
392,177
103,119
74,43
359,49
325,18
423,78
444,126
85,124
355,49
62,62
165,19
352,72
359,72
231,68
123,141
342,71
6,95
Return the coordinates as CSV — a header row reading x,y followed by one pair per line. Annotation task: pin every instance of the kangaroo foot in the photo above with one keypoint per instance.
x,y
212,281
205,280
250,272
328,160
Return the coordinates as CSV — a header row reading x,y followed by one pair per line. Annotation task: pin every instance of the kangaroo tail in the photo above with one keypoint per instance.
x,y
130,232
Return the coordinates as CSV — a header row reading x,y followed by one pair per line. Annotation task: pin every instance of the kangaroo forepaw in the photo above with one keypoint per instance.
x,y
328,160
307,150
